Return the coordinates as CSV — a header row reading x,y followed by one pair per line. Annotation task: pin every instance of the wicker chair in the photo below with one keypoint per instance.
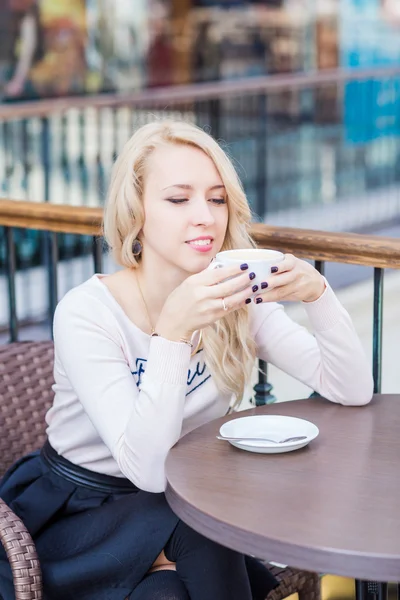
x,y
26,377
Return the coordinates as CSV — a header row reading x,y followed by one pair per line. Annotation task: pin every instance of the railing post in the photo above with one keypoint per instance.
x,y
8,157
320,266
97,251
83,171
377,330
52,255
46,152
11,270
25,154
261,177
115,133
64,161
100,179
263,388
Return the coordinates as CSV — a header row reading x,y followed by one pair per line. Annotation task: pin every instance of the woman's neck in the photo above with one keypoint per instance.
x,y
156,284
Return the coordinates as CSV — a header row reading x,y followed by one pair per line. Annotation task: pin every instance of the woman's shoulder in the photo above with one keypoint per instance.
x,y
91,308
90,299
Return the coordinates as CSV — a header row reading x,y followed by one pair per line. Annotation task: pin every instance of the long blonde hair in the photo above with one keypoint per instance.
x,y
229,350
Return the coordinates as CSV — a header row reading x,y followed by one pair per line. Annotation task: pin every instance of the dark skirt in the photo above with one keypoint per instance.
x,y
95,540
96,535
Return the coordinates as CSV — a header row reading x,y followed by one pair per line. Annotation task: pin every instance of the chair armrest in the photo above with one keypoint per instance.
x,y
294,581
21,554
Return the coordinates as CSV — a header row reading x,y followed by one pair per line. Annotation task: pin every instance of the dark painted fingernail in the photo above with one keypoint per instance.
x,y
254,288
258,300
274,269
252,275
248,300
244,266
264,285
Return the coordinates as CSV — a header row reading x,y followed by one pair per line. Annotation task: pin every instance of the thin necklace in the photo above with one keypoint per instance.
x,y
151,325
145,305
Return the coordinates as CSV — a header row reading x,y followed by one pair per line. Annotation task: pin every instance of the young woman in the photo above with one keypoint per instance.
x,y
146,354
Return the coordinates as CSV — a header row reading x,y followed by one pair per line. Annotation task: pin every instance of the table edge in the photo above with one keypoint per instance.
x,y
319,560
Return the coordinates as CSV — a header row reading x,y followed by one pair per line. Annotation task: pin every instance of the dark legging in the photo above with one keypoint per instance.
x,y
161,585
207,571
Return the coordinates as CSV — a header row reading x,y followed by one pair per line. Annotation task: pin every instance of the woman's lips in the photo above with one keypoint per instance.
x,y
201,244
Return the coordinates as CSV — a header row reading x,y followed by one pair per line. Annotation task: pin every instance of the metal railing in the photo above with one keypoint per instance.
x,y
299,141
319,246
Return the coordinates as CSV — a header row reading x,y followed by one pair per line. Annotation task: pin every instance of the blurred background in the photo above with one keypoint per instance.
x,y
304,95
323,141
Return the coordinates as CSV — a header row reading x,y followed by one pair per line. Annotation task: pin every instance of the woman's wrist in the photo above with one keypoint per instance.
x,y
181,339
317,290
172,333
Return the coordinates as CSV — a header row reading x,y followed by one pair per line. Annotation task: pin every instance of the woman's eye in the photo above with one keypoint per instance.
x,y
218,201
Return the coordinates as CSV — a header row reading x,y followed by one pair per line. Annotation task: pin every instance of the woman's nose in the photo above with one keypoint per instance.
x,y
202,213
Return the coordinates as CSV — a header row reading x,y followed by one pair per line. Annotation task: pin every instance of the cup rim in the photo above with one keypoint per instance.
x,y
278,254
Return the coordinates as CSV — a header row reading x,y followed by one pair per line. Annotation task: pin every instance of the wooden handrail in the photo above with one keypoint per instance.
x,y
51,217
191,92
352,248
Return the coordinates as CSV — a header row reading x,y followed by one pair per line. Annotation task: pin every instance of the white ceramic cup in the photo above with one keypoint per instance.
x,y
260,261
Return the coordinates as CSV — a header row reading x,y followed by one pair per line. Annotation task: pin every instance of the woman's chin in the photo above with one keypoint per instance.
x,y
196,266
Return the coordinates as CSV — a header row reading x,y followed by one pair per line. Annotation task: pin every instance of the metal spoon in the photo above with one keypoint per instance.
x,y
261,439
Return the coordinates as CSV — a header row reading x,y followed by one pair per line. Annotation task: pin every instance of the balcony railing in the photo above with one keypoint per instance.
x,y
300,142
319,246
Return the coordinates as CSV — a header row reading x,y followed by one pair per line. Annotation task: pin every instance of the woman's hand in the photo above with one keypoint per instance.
x,y
292,279
204,298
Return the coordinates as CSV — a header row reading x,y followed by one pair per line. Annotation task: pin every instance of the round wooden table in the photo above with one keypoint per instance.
x,y
332,507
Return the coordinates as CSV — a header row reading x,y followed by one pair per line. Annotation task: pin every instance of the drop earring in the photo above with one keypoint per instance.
x,y
136,248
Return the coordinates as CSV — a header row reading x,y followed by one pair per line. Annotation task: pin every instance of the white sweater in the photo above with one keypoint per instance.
x,y
123,398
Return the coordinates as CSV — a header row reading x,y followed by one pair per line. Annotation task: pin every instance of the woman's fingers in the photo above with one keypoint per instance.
x,y
216,275
233,302
281,284
284,292
230,287
287,264
280,280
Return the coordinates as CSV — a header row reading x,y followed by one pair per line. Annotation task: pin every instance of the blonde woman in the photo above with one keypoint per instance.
x,y
152,351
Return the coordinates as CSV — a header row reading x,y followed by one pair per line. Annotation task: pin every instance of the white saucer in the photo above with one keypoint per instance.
x,y
275,427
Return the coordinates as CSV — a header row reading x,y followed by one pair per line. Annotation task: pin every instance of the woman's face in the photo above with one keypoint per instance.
x,y
186,211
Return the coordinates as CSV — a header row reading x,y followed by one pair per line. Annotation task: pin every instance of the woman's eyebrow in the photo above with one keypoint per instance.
x,y
186,186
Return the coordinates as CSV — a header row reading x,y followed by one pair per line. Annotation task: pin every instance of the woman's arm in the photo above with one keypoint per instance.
x,y
331,362
138,426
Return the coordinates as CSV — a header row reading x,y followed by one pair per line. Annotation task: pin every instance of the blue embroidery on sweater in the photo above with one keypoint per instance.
x,y
193,375
198,372
198,385
140,369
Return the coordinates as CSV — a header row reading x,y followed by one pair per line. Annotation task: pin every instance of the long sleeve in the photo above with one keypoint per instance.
x,y
139,426
332,361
